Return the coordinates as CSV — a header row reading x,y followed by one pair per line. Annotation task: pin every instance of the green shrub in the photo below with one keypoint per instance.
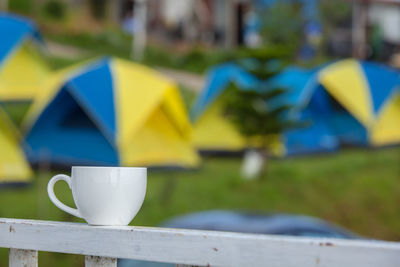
x,y
54,9
21,6
98,8
283,25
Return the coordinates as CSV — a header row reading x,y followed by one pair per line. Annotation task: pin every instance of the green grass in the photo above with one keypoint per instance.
x,y
116,43
56,63
106,43
357,189
197,59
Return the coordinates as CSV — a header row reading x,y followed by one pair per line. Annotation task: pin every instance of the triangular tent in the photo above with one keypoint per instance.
x,y
346,102
386,130
22,70
110,112
213,132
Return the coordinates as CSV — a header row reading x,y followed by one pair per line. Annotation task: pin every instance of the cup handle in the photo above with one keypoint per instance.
x,y
54,199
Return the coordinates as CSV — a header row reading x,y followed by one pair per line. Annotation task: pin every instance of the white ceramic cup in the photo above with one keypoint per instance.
x,y
103,195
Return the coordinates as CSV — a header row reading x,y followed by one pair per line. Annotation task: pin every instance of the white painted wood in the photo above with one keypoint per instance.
x,y
96,261
194,247
22,258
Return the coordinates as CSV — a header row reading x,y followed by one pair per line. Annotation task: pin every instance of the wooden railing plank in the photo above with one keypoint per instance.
x,y
22,258
194,247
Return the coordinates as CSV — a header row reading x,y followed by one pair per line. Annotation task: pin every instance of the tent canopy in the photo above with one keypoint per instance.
x,y
14,31
112,112
22,71
218,78
347,101
369,92
212,131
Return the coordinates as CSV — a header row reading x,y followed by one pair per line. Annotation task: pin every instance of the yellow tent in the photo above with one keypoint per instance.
x,y
386,129
348,102
224,135
13,166
22,70
111,112
370,93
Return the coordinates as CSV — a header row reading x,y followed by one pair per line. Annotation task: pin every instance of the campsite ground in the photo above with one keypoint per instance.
x,y
357,189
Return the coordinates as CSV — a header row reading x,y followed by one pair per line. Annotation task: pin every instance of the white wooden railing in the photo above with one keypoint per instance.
x,y
103,245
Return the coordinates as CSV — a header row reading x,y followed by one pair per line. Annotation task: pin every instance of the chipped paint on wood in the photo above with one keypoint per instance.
x,y
95,261
22,258
195,247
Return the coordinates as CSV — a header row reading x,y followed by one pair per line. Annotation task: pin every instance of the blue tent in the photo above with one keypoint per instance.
x,y
22,69
109,112
14,31
346,102
218,79
342,103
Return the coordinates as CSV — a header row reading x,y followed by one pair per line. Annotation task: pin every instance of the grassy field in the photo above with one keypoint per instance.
x,y
118,44
357,189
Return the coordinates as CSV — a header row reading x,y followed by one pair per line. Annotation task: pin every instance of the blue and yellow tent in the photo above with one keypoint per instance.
x,y
348,102
370,93
13,166
110,112
22,70
212,131
345,102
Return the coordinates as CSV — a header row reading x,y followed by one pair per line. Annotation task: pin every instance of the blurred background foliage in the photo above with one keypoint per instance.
x,y
103,37
54,9
24,7
289,20
250,108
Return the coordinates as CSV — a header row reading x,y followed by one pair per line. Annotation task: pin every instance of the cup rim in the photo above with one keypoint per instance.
x,y
108,167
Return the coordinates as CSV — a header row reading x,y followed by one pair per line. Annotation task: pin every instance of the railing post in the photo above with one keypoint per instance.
x,y
22,258
95,261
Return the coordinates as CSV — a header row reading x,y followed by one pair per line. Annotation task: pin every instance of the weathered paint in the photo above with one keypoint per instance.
x,y
22,257
95,261
195,247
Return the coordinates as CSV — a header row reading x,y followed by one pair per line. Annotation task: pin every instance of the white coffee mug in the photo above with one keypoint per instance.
x,y
103,195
